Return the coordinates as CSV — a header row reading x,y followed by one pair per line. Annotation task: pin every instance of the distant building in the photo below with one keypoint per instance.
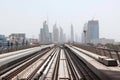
x,y
33,41
44,34
103,41
64,37
3,42
17,38
90,31
50,37
41,36
61,38
84,34
55,34
72,33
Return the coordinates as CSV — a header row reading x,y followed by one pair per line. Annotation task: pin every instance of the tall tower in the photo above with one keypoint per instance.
x,y
41,36
92,30
45,32
61,35
55,34
72,33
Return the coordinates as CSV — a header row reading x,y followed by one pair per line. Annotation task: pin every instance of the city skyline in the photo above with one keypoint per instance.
x,y
56,36
27,16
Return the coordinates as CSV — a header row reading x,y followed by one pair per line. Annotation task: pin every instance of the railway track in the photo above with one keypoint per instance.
x,y
55,71
12,71
7,67
81,67
50,64
74,74
29,72
46,68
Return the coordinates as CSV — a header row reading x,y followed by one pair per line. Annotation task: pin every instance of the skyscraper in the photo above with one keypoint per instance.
x,y
64,37
44,33
93,30
90,31
41,36
55,34
61,35
72,33
50,37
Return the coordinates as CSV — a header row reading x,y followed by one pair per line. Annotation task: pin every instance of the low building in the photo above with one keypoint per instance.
x,y
3,41
33,41
103,41
17,38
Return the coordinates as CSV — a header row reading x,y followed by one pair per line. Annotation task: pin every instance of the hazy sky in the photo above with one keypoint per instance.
x,y
27,16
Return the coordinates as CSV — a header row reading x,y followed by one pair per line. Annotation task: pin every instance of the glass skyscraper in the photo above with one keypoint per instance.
x,y
91,31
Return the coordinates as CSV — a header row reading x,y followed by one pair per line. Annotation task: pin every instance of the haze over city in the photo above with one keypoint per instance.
x,y
59,40
27,16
